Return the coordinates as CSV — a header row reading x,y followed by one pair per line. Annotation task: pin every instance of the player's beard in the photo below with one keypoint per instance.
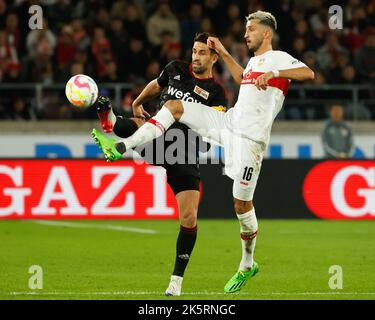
x,y
254,45
199,69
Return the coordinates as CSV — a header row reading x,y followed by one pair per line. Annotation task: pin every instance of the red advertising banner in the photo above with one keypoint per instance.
x,y
84,189
341,190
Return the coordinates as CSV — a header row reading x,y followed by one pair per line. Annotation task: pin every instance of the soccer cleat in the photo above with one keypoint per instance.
x,y
107,145
240,278
105,113
174,288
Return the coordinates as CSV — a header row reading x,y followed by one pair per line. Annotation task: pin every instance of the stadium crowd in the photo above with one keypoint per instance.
x,y
131,41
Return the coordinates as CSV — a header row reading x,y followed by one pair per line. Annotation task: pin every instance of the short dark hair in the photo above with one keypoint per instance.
x,y
202,37
265,18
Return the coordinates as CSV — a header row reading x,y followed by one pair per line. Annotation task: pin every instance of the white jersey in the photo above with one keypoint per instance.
x,y
255,110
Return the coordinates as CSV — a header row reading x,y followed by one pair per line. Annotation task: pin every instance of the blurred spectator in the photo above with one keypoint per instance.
x,y
79,65
215,11
299,48
8,55
13,30
40,68
101,50
126,106
206,26
21,111
66,48
359,19
328,54
302,30
12,72
59,13
162,50
34,36
133,23
65,112
111,74
75,68
152,70
309,58
241,54
118,37
191,25
357,111
236,29
135,59
336,69
102,18
3,10
319,78
348,75
365,58
337,137
162,20
172,52
80,37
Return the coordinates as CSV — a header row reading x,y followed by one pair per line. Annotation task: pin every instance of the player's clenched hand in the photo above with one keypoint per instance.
x,y
262,81
215,44
140,112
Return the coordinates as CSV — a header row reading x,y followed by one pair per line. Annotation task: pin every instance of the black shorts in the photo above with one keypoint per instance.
x,y
183,183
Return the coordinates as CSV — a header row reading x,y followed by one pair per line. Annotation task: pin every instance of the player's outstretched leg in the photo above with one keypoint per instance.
x,y
151,130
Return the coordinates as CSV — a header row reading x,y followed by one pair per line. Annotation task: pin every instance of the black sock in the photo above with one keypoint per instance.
x,y
124,127
184,247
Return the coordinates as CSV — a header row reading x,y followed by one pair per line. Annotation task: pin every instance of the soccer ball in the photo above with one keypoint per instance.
x,y
81,91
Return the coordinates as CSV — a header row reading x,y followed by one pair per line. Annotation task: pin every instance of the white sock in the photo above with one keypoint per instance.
x,y
249,228
151,130
111,116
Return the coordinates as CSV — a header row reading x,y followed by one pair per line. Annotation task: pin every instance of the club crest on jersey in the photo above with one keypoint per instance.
x,y
261,61
178,77
201,92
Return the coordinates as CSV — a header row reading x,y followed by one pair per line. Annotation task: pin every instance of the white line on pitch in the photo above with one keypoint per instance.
x,y
135,293
91,226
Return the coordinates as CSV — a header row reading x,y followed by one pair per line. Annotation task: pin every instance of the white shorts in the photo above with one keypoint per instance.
x,y
243,157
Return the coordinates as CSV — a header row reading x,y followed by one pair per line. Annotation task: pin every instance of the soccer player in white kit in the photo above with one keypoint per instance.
x,y
244,130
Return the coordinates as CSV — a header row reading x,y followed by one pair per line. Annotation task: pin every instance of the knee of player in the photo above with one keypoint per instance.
x,y
175,107
241,206
188,217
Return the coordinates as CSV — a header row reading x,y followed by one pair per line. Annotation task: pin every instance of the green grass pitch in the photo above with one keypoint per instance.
x,y
89,260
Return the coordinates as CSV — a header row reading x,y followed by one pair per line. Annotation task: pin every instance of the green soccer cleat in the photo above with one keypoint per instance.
x,y
240,278
107,145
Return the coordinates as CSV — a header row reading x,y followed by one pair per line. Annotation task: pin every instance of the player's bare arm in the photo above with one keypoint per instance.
x,y
152,90
297,74
234,68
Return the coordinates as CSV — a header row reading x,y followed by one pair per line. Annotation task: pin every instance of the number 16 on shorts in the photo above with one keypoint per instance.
x,y
248,172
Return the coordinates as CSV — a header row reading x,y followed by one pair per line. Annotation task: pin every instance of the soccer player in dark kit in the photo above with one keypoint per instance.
x,y
179,80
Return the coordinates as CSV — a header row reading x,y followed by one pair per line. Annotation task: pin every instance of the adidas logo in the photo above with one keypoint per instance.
x,y
178,77
184,256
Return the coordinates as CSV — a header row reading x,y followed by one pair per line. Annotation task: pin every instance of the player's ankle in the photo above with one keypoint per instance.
x,y
120,147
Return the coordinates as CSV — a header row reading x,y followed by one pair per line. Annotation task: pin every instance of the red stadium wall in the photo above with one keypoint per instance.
x,y
93,189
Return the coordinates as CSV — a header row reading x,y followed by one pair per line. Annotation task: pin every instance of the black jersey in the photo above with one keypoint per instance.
x,y
178,82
